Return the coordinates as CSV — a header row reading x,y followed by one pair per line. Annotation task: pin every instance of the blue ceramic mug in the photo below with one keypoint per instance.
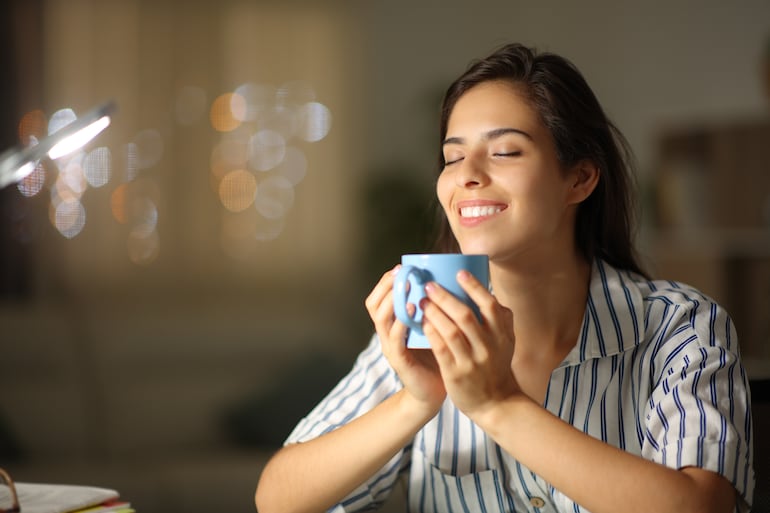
x,y
418,270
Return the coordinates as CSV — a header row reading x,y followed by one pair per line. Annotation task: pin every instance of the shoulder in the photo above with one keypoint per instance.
x,y
652,291
672,310
681,307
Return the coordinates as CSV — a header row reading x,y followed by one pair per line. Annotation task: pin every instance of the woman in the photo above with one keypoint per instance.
x,y
585,387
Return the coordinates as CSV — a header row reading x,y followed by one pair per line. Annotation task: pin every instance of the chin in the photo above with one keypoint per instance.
x,y
477,249
496,253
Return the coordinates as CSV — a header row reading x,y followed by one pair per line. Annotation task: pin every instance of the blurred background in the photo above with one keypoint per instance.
x,y
176,295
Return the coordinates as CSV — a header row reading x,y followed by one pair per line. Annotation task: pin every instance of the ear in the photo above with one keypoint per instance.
x,y
584,176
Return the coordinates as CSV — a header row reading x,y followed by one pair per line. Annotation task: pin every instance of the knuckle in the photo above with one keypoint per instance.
x,y
467,316
464,368
440,350
454,333
483,356
488,303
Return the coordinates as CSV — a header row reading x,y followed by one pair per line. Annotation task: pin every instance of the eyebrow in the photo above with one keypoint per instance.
x,y
492,134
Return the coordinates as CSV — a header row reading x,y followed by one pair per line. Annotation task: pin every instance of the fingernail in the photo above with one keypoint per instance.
x,y
430,287
463,275
395,269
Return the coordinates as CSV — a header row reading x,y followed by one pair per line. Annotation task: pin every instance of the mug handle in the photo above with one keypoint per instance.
x,y
400,289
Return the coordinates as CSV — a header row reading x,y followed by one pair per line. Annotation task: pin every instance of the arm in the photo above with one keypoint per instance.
x,y
474,359
318,473
583,467
314,475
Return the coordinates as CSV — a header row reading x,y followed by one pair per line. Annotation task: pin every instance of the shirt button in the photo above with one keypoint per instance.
x,y
537,502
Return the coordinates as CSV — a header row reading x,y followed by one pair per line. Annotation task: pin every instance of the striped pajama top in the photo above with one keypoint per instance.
x,y
656,372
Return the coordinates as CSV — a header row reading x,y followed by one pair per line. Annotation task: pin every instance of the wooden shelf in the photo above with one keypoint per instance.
x,y
712,243
712,222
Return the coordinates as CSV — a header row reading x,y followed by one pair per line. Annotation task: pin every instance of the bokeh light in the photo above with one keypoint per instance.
x,y
223,118
294,165
254,167
135,204
33,183
257,98
281,119
134,201
69,217
71,177
60,119
97,167
144,216
231,153
294,93
132,170
316,121
268,229
32,127
118,203
255,163
237,190
266,150
275,197
143,249
238,107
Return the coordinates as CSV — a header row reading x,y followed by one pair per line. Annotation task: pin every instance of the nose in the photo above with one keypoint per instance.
x,y
471,173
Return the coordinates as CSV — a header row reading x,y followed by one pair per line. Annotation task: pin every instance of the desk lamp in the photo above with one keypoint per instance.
x,y
16,163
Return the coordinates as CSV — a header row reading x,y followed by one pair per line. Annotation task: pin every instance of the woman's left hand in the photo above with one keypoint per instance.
x,y
475,357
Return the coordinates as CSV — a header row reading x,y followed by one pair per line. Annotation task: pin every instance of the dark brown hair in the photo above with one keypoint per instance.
x,y
568,108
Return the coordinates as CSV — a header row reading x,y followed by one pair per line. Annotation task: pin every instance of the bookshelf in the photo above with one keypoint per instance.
x,y
711,226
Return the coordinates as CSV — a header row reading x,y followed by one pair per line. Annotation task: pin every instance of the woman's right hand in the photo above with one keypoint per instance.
x,y
416,368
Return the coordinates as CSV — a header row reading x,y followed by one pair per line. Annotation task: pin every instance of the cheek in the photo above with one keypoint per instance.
x,y
444,188
545,207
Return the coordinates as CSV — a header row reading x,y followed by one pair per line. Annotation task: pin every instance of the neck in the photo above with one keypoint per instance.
x,y
548,302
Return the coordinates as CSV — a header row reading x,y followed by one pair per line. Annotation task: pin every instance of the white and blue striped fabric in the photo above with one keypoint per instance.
x,y
656,372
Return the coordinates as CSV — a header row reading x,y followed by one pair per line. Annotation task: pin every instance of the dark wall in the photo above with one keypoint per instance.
x,y
21,62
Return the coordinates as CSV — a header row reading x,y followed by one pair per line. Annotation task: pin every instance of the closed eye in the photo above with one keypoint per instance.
x,y
454,161
508,154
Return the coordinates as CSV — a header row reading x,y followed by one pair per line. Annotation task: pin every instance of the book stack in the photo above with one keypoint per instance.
x,y
57,498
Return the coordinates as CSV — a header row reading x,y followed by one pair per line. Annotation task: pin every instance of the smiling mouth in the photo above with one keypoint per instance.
x,y
473,212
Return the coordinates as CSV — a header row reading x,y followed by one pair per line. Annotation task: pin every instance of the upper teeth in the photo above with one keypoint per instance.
x,y
479,211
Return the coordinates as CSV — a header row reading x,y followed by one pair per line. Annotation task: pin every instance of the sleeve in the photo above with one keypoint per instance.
x,y
699,412
370,381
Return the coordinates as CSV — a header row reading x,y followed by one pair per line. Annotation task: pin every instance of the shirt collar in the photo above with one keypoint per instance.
x,y
613,321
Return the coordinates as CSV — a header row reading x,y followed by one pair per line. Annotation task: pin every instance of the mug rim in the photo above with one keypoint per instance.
x,y
446,254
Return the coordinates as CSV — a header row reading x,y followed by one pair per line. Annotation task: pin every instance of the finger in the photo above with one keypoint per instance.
x,y
398,330
441,352
478,292
380,307
383,287
495,315
389,325
461,329
443,333
455,309
383,314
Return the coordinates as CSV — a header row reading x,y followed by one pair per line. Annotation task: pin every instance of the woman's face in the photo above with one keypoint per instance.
x,y
502,188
